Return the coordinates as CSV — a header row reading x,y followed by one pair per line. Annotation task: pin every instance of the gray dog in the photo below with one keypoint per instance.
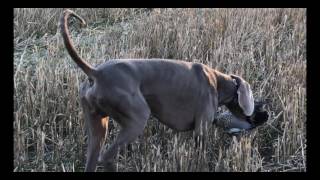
x,y
182,95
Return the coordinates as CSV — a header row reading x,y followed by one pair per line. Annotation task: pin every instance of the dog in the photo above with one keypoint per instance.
x,y
182,95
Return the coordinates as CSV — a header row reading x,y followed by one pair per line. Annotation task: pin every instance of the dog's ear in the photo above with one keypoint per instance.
x,y
245,97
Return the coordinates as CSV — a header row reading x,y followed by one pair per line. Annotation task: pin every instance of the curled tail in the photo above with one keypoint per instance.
x,y
87,68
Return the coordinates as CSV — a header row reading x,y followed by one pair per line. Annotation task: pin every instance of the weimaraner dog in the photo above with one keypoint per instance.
x,y
182,95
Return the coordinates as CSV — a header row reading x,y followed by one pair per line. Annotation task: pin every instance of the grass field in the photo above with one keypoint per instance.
x,y
265,46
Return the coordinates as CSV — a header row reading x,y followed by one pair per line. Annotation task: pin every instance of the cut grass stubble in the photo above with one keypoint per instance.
x,y
265,46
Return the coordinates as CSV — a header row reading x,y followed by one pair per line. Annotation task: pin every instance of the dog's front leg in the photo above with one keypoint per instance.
x,y
203,118
200,132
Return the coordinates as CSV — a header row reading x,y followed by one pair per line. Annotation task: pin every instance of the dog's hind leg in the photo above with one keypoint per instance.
x,y
96,127
132,124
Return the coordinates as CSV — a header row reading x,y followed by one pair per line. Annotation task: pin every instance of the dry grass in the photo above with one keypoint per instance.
x,y
265,46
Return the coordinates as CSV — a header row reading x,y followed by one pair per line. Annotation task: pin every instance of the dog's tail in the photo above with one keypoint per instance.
x,y
87,68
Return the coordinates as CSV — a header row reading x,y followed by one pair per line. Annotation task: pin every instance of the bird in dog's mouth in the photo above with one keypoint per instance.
x,y
234,125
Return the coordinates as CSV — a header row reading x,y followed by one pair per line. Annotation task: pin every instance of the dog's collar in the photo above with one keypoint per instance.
x,y
237,87
235,82
235,96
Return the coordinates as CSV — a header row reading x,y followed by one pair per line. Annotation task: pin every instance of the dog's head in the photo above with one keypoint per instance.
x,y
242,104
247,113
